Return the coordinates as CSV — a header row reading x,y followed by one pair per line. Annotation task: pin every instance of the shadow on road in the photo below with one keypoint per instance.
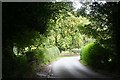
x,y
70,67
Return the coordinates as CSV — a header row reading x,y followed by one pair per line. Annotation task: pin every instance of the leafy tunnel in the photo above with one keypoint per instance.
x,y
35,34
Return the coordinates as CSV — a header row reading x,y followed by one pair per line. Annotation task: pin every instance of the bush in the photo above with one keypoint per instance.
x,y
39,54
51,54
94,55
75,50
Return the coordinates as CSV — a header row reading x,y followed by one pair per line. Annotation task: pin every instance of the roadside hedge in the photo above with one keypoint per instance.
x,y
94,55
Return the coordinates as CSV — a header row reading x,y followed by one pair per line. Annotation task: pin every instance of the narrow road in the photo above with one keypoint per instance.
x,y
70,67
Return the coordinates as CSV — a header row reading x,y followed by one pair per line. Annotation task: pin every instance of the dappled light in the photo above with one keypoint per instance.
x,y
61,40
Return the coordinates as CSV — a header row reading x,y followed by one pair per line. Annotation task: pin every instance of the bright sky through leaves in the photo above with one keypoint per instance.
x,y
77,4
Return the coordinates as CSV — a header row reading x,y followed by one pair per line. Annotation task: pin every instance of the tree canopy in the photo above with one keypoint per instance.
x,y
45,28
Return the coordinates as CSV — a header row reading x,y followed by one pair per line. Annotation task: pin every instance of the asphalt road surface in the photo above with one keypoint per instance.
x,y
70,67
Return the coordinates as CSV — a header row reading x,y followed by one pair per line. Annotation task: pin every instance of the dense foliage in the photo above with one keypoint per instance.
x,y
36,33
104,19
33,34
94,54
65,33
25,40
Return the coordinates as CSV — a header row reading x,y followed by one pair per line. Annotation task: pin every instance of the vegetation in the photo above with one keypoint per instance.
x,y
94,54
35,34
104,28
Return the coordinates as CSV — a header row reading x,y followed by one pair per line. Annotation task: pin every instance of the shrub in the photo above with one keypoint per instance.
x,y
51,54
75,50
39,54
94,55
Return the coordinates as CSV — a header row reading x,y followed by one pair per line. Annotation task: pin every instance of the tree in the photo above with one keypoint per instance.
x,y
104,28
